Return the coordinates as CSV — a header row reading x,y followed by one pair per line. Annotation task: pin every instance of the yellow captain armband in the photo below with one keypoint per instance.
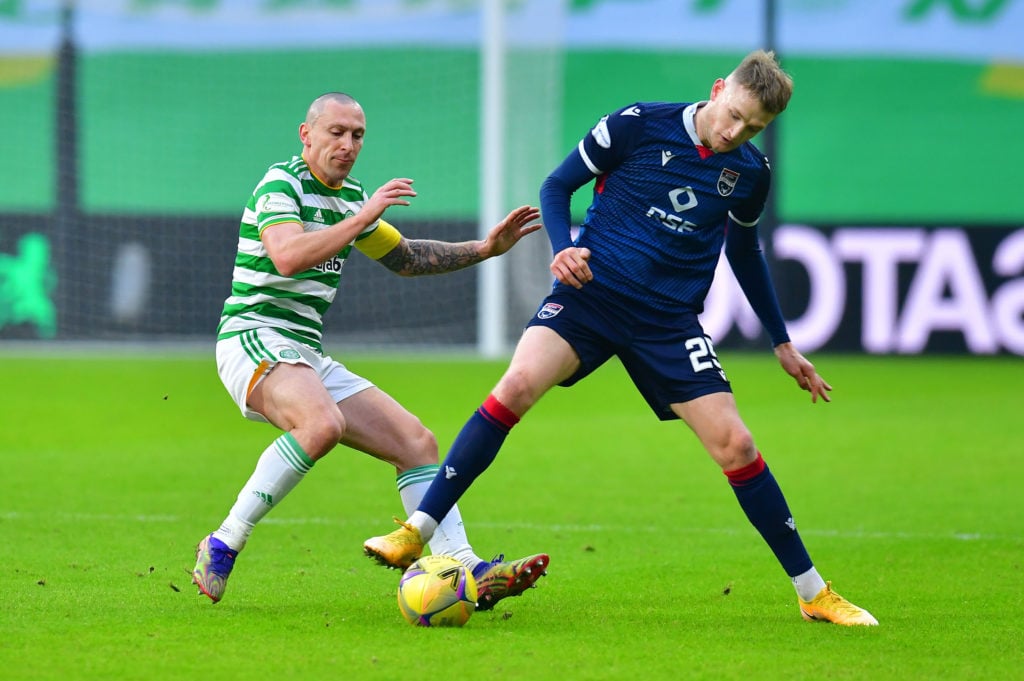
x,y
380,241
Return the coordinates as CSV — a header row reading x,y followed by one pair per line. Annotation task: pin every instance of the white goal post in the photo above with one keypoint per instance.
x,y
521,57
491,314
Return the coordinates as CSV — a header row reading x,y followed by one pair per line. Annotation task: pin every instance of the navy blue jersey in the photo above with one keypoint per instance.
x,y
662,202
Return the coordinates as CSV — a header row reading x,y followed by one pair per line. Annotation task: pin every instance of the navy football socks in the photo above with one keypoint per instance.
x,y
472,452
761,499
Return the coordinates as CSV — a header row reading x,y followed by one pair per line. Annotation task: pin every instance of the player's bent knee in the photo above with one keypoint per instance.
x,y
424,448
409,450
319,435
516,392
736,451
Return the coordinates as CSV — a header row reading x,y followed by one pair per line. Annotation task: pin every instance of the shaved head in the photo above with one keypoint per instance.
x,y
316,109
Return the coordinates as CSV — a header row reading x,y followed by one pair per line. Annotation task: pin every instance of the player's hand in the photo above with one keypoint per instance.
x,y
509,231
801,369
392,193
570,266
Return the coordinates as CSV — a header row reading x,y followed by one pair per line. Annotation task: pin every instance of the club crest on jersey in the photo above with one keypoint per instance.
x,y
549,310
727,181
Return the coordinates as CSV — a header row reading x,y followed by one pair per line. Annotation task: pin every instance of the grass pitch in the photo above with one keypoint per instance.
x,y
906,490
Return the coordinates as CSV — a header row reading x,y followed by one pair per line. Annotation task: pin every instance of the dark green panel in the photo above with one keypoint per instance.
x,y
188,133
880,141
27,137
597,82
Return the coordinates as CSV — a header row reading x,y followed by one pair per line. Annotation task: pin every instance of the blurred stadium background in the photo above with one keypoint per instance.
x,y
133,132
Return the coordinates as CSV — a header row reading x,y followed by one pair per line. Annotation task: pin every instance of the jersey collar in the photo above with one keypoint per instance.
x,y
691,128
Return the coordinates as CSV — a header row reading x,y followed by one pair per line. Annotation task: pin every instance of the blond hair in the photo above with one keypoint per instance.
x,y
761,74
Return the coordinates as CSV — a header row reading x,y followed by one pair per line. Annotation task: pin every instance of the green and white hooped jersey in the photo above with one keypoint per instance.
x,y
260,296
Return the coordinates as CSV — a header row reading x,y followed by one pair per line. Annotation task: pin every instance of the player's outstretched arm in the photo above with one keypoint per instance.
x,y
414,257
509,231
801,369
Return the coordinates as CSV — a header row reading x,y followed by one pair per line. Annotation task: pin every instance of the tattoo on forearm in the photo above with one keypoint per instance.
x,y
413,257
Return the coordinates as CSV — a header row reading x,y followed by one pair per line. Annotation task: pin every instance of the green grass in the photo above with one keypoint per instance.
x,y
906,490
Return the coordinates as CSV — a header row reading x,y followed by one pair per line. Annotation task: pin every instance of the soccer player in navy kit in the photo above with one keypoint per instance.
x,y
673,183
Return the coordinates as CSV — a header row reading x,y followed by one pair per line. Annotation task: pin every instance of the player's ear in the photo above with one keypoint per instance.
x,y
717,88
304,133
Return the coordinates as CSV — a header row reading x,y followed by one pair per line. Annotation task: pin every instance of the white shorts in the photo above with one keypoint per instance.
x,y
243,361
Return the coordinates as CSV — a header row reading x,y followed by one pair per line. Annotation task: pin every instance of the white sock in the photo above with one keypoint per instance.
x,y
445,538
281,467
808,584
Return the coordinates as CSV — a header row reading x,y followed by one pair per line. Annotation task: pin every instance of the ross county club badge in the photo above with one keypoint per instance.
x,y
549,310
727,181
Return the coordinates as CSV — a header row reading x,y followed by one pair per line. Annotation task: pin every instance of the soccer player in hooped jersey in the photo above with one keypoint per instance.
x,y
672,184
296,232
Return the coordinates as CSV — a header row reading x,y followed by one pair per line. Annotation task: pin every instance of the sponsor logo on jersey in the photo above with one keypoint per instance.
x,y
268,203
318,216
601,134
549,310
631,111
666,156
331,265
727,181
289,353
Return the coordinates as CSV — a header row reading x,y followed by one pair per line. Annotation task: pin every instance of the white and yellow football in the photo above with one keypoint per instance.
x,y
437,591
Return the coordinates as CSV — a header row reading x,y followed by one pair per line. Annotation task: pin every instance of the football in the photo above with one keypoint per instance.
x,y
437,591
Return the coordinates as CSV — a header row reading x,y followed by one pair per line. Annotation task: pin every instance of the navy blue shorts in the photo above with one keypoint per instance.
x,y
667,355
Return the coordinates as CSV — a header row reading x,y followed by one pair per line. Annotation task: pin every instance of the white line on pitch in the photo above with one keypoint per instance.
x,y
550,527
